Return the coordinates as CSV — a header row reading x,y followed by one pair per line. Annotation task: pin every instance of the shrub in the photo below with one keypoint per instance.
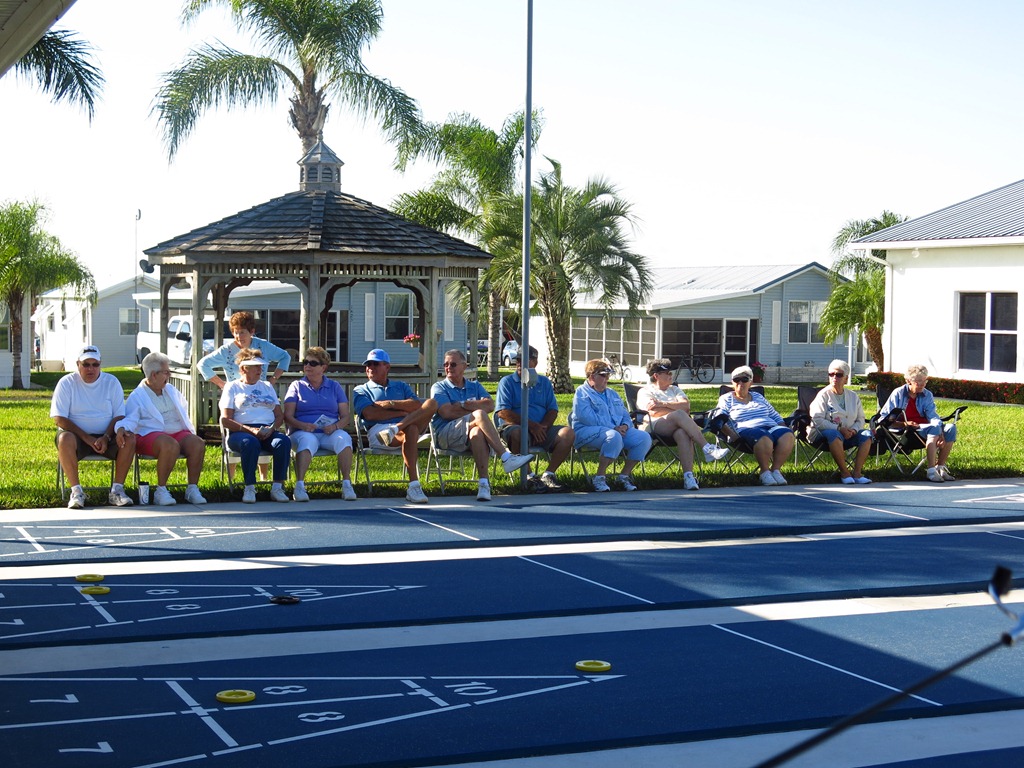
x,y
958,389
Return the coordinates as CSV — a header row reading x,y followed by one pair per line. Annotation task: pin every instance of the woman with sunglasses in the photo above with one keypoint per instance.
x,y
316,412
754,420
837,417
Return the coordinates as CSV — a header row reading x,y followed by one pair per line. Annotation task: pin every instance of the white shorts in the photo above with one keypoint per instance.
x,y
336,442
454,435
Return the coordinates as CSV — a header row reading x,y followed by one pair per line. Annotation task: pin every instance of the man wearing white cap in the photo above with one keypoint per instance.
x,y
87,406
393,415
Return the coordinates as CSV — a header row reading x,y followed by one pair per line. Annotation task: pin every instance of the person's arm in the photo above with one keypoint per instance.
x,y
819,412
227,420
274,354
208,364
293,423
482,401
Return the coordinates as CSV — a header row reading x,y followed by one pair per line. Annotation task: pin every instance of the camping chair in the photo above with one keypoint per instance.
x,y
320,453
364,449
534,450
740,450
800,422
437,453
642,420
898,443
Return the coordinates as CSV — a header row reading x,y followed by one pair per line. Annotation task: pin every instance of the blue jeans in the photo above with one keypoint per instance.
x,y
248,447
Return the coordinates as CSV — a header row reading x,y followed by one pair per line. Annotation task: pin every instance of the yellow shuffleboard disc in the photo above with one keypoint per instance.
x,y
88,577
236,697
94,590
593,665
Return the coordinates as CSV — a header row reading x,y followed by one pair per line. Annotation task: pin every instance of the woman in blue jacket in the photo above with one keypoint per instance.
x,y
602,422
918,412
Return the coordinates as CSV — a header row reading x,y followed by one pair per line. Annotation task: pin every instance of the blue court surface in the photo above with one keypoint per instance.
x,y
735,624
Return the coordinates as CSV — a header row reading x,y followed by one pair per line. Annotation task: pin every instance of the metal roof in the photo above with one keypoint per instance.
x,y
995,214
677,286
22,23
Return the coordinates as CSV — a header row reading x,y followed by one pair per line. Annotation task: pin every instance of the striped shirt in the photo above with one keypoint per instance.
x,y
757,413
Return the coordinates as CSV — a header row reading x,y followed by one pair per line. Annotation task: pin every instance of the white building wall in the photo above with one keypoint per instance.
x,y
922,305
7,355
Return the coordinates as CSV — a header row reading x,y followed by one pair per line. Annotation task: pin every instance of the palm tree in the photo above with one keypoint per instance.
x,y
579,247
63,66
312,47
859,303
33,261
481,168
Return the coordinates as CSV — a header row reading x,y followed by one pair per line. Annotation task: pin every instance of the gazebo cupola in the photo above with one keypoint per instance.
x,y
320,169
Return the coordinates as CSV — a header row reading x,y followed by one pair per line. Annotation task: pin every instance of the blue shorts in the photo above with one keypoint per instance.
x,y
831,435
753,434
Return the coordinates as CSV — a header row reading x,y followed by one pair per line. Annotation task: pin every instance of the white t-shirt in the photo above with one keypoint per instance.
x,y
252,403
652,393
90,406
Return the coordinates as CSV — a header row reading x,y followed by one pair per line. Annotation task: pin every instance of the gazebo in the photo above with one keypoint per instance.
x,y
319,240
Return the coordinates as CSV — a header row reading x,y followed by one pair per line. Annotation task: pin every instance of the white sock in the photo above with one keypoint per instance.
x,y
251,488
505,455
77,488
414,482
484,481
298,484
191,486
275,487
161,487
117,487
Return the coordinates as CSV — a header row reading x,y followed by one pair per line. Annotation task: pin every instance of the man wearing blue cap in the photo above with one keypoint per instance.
x,y
393,415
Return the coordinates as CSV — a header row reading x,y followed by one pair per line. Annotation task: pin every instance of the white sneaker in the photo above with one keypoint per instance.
x,y
848,480
600,484
767,478
626,482
249,494
77,499
348,493
387,436
779,479
862,480
193,496
415,494
278,494
946,474
934,475
714,453
515,461
483,491
299,492
119,498
690,482
162,498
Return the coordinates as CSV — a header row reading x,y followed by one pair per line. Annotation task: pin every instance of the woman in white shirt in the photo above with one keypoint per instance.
x,y
837,417
668,416
158,414
251,413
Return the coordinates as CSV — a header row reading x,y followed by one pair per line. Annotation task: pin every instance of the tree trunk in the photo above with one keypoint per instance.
x,y
16,351
873,337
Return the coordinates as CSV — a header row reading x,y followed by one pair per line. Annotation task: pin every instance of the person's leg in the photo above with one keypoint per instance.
x,y
480,422
166,450
481,449
611,447
763,453
340,442
948,438
248,449
835,447
782,450
561,447
125,457
419,419
670,429
194,448
280,446
637,443
67,455
305,445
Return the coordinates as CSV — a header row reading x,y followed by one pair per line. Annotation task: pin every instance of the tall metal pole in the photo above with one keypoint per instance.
x,y
524,346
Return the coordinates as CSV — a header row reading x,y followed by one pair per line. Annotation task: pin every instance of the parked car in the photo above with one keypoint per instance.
x,y
179,339
510,353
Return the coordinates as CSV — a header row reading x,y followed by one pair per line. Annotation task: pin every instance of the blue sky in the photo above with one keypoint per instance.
x,y
743,131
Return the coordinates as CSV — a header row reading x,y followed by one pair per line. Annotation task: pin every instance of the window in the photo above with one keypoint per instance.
x,y
5,329
631,339
805,322
399,315
687,338
128,321
987,336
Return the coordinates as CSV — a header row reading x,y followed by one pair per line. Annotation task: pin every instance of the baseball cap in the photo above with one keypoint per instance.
x,y
660,367
89,352
377,356
608,371
252,361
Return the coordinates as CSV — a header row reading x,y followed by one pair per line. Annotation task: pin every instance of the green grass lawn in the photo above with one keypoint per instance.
x,y
989,446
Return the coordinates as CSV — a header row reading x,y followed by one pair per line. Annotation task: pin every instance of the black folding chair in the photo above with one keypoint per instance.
x,y
895,443
642,420
717,425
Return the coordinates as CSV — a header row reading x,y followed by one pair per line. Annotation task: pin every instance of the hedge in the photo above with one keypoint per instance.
x,y
958,389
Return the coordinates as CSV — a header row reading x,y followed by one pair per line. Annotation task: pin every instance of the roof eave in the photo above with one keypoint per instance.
x,y
960,242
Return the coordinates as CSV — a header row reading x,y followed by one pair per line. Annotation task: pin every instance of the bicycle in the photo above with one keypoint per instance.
x,y
700,370
621,372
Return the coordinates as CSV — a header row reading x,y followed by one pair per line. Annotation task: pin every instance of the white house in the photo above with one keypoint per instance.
x,y
728,315
953,284
64,323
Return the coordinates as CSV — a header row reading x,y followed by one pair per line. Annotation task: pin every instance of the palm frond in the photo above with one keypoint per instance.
x,y
63,66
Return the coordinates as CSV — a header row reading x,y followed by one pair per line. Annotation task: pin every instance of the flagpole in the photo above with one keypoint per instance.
x,y
524,346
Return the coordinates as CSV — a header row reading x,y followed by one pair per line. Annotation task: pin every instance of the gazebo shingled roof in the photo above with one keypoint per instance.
x,y
318,239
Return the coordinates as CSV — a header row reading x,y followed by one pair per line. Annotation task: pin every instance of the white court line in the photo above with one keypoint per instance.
x,y
822,663
197,709
839,502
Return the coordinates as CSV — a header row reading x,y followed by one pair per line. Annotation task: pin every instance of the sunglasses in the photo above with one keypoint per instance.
x,y
836,374
452,365
312,363
602,373
90,365
741,380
